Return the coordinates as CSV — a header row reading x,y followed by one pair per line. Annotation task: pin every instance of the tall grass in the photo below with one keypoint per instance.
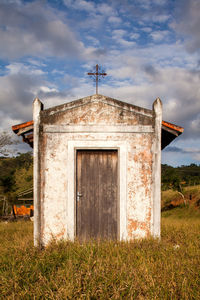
x,y
146,269
191,196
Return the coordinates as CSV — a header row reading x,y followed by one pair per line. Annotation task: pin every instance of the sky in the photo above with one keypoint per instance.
x,y
148,48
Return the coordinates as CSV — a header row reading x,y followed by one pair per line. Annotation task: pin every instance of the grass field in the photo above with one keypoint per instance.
x,y
148,269
191,197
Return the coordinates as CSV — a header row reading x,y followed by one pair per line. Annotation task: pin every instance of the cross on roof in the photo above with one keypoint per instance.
x,y
96,75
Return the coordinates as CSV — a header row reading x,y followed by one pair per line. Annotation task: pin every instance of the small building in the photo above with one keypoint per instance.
x,y
97,169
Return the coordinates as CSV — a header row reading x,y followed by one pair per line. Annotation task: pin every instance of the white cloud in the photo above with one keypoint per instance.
x,y
145,4
182,153
118,33
161,18
126,43
146,29
160,35
36,62
85,5
171,106
16,68
195,125
141,75
114,20
88,6
187,23
18,88
6,121
134,36
47,89
118,36
93,40
56,71
139,70
197,156
105,9
35,29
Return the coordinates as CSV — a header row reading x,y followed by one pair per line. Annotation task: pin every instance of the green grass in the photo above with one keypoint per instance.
x,y
146,269
182,212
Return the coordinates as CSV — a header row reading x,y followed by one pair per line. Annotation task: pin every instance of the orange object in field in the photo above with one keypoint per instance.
x,y
23,210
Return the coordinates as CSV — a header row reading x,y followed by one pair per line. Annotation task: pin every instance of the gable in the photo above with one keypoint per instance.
x,y
97,110
97,107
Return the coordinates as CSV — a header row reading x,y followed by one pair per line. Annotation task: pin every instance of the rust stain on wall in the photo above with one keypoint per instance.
x,y
56,156
139,229
97,113
61,234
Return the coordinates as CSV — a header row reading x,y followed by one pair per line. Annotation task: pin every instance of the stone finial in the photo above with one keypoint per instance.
x,y
37,107
157,106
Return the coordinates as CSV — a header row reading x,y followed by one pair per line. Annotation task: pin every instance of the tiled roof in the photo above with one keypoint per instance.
x,y
169,132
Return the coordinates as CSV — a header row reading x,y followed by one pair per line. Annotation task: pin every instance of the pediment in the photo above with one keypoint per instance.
x,y
97,109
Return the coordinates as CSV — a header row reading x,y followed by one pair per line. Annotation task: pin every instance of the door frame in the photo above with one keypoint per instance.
x,y
75,189
121,148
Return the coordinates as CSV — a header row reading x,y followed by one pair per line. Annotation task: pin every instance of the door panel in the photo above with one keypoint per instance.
x,y
96,207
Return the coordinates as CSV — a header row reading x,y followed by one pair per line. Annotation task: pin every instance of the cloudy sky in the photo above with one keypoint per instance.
x,y
149,48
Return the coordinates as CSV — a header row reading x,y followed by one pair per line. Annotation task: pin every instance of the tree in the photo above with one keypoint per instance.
x,y
176,185
8,188
23,178
171,179
6,140
15,176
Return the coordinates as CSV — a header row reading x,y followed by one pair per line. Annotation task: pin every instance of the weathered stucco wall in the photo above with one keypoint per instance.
x,y
97,123
97,109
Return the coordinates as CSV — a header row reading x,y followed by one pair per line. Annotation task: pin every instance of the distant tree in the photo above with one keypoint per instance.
x,y
168,176
171,179
8,183
176,185
8,188
16,175
24,160
6,140
23,178
193,165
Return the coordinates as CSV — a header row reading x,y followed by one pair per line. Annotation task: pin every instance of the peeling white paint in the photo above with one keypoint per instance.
x,y
136,140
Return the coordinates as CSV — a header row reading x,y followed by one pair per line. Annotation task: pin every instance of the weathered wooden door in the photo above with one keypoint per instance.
x,y
97,194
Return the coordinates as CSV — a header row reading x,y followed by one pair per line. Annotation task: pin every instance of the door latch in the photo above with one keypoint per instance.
x,y
78,196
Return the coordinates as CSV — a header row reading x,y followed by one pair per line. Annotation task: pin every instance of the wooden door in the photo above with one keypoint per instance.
x,y
97,194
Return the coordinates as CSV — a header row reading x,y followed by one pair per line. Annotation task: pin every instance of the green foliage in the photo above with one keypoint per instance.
x,y
24,160
8,183
16,172
16,176
181,176
23,178
148,269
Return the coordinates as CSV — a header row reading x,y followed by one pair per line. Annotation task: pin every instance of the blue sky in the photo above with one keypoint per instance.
x,y
148,48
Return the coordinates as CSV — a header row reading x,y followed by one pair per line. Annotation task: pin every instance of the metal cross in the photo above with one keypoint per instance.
x,y
96,74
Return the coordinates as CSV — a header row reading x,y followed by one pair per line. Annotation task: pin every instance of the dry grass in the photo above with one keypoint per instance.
x,y
173,198
145,269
